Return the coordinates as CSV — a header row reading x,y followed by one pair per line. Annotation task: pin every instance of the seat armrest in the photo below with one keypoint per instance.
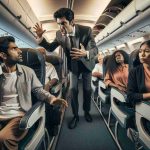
x,y
143,109
102,84
120,95
142,114
35,113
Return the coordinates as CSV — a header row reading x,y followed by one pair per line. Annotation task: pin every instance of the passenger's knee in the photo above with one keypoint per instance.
x,y
2,138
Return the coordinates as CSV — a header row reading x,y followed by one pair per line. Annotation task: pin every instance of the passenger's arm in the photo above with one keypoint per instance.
x,y
146,96
53,77
97,74
108,81
43,95
50,84
133,94
48,46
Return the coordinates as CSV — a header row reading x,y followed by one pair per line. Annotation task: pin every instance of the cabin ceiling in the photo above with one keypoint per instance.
x,y
86,12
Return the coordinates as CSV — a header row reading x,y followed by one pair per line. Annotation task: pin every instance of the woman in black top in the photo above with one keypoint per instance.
x,y
139,78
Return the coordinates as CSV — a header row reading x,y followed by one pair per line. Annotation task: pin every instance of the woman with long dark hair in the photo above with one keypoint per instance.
x,y
139,80
139,77
117,70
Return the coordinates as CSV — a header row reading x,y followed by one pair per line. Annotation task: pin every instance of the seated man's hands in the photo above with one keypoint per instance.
x,y
48,87
58,101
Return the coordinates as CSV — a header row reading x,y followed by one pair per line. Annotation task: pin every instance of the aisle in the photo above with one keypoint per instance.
x,y
86,136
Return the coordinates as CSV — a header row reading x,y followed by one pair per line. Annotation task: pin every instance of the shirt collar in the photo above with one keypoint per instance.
x,y
73,33
19,69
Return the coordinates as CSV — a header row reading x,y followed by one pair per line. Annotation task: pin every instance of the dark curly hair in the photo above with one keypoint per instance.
x,y
64,12
146,42
112,65
4,43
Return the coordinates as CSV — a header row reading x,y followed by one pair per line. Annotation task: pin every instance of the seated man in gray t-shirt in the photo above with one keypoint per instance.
x,y
16,84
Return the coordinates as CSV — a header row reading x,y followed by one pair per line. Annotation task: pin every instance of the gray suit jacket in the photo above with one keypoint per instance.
x,y
83,35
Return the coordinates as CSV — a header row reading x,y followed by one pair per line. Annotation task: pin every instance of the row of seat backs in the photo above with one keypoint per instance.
x,y
35,60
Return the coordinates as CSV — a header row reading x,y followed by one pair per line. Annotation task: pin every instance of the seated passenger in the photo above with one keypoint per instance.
x,y
139,77
16,83
97,72
139,81
117,70
51,77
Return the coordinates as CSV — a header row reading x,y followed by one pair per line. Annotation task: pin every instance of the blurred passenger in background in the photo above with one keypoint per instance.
x,y
51,77
117,70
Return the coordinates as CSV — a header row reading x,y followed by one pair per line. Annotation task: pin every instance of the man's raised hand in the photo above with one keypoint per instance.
x,y
39,30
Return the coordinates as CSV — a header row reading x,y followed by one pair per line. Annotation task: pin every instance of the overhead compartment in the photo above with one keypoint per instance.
x,y
22,11
120,22
128,13
12,26
16,9
141,5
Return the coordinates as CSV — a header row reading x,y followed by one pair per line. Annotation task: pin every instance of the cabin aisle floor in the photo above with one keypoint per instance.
x,y
86,136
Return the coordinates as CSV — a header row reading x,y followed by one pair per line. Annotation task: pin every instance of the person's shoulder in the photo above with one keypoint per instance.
x,y
136,70
49,64
81,27
97,64
25,68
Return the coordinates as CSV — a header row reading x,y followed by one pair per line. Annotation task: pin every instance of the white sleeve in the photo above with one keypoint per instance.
x,y
53,73
95,68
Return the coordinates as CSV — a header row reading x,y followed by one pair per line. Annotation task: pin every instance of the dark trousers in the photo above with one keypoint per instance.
x,y
73,91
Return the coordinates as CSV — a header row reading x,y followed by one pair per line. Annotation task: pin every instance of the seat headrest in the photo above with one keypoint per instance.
x,y
96,59
134,59
57,62
35,60
54,60
105,60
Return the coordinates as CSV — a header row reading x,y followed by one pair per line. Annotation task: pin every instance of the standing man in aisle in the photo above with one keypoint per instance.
x,y
80,49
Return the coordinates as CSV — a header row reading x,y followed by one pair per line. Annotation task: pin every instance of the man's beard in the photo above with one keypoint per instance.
x,y
14,62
